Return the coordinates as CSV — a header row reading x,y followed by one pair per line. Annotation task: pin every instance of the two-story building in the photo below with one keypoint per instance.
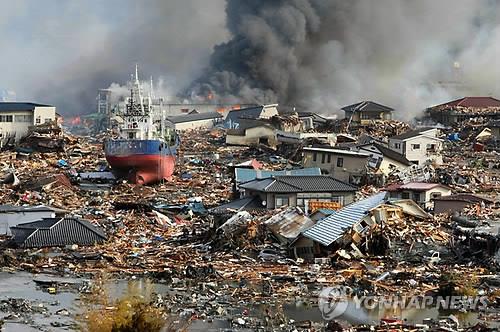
x,y
366,112
299,190
420,146
17,117
345,165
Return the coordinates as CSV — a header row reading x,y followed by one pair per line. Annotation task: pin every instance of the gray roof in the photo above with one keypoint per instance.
x,y
245,175
299,183
389,153
333,227
19,106
194,117
411,133
234,116
242,204
367,106
8,208
57,232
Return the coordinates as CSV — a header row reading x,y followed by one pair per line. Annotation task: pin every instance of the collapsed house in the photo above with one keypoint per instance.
x,y
11,215
463,109
57,232
349,231
420,192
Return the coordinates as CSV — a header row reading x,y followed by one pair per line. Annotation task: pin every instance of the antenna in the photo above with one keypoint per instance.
x,y
137,73
152,93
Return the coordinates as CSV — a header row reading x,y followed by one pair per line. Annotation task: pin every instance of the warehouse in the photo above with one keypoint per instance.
x,y
17,117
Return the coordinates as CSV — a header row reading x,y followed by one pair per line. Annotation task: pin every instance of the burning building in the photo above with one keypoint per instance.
x,y
464,109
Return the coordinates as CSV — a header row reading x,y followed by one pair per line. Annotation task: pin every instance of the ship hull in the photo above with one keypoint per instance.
x,y
143,161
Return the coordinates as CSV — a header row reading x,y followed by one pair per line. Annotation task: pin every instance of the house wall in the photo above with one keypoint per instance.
x,y
303,247
44,114
387,165
495,131
12,219
19,127
252,136
423,198
269,111
352,165
418,155
207,124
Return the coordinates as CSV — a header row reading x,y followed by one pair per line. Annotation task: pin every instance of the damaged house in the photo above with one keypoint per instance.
x,y
365,112
11,215
354,230
300,190
17,117
234,117
57,232
252,132
422,193
420,146
322,237
345,165
462,109
195,120
458,202
384,160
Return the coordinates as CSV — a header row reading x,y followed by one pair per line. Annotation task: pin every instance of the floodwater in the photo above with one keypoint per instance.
x,y
56,312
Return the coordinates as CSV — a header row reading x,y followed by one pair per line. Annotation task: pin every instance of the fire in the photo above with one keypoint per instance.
x,y
210,96
75,121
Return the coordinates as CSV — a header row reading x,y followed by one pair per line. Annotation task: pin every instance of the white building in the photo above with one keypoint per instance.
x,y
419,146
420,192
194,121
17,117
11,215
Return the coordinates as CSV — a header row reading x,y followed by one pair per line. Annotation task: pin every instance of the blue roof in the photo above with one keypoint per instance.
x,y
333,227
19,106
245,174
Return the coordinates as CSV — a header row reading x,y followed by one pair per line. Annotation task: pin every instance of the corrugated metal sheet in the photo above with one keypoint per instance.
x,y
289,223
330,229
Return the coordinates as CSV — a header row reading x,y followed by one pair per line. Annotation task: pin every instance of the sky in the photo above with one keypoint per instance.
x,y
317,55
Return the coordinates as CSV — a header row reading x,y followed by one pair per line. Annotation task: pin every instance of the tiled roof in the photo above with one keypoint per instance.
x,y
464,198
245,175
475,102
56,232
394,155
299,183
412,133
367,106
194,117
333,227
19,106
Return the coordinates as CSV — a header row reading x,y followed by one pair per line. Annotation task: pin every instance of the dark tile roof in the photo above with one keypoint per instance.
x,y
299,183
194,117
57,232
394,155
475,102
367,106
411,133
19,106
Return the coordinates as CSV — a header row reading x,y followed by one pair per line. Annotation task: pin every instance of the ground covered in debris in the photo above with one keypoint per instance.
x,y
167,233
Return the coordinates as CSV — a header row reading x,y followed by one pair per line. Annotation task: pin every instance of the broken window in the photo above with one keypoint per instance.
x,y
397,145
415,146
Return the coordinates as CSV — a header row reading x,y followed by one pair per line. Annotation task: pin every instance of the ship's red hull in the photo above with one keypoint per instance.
x,y
144,169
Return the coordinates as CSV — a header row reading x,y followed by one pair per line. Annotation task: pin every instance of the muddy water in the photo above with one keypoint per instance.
x,y
45,317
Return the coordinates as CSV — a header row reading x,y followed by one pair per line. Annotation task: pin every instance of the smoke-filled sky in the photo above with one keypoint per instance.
x,y
318,55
